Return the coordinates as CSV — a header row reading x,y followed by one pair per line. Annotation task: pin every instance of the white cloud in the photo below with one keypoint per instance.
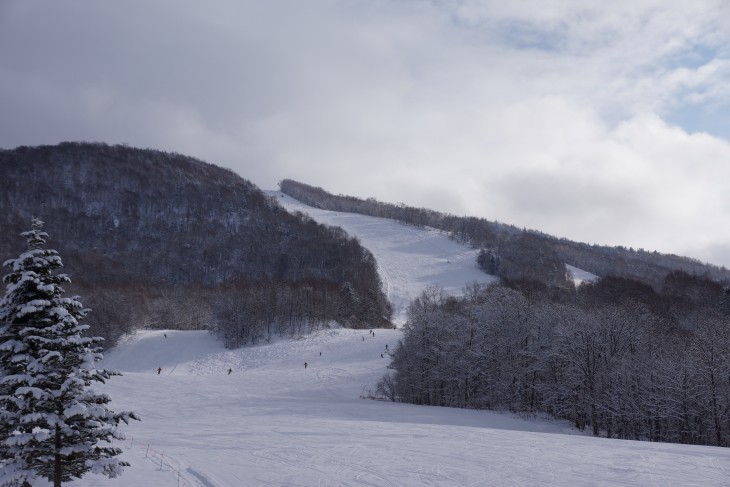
x,y
550,115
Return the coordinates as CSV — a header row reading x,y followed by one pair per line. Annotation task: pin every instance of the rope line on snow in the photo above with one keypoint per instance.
x,y
158,458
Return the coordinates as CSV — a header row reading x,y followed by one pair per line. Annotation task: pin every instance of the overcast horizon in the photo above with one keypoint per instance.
x,y
602,123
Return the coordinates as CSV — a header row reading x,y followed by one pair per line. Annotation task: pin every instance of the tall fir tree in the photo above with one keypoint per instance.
x,y
52,424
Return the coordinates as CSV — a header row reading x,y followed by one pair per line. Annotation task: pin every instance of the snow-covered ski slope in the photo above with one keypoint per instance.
x,y
579,275
272,422
409,259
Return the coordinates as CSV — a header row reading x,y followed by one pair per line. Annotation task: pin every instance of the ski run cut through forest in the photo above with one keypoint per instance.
x,y
257,416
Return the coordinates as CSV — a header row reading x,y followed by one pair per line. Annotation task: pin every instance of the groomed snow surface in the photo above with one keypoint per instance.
x,y
272,422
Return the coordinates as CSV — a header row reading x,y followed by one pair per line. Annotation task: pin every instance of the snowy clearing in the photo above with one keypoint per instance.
x,y
580,276
273,422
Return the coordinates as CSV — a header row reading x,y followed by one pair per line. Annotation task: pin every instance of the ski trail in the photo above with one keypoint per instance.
x,y
409,259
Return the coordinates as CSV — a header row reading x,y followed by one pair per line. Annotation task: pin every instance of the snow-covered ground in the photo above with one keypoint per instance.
x,y
409,259
272,422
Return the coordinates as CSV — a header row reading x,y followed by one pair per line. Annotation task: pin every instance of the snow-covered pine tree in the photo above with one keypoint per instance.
x,y
51,422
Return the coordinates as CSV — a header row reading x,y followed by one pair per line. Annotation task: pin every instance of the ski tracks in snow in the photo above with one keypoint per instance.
x,y
182,475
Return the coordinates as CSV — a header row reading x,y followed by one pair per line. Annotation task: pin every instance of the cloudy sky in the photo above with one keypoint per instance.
x,y
603,122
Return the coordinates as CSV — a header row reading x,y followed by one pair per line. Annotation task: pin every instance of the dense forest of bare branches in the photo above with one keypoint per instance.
x,y
158,239
614,357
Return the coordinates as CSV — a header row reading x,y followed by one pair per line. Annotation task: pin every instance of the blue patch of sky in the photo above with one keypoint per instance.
x,y
710,118
526,35
693,57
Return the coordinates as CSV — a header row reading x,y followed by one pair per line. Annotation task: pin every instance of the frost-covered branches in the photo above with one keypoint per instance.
x,y
614,357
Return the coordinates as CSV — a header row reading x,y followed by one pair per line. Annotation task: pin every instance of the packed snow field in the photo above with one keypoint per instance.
x,y
273,422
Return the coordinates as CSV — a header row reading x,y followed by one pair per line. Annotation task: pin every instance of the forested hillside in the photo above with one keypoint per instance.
x,y
514,253
614,357
158,239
